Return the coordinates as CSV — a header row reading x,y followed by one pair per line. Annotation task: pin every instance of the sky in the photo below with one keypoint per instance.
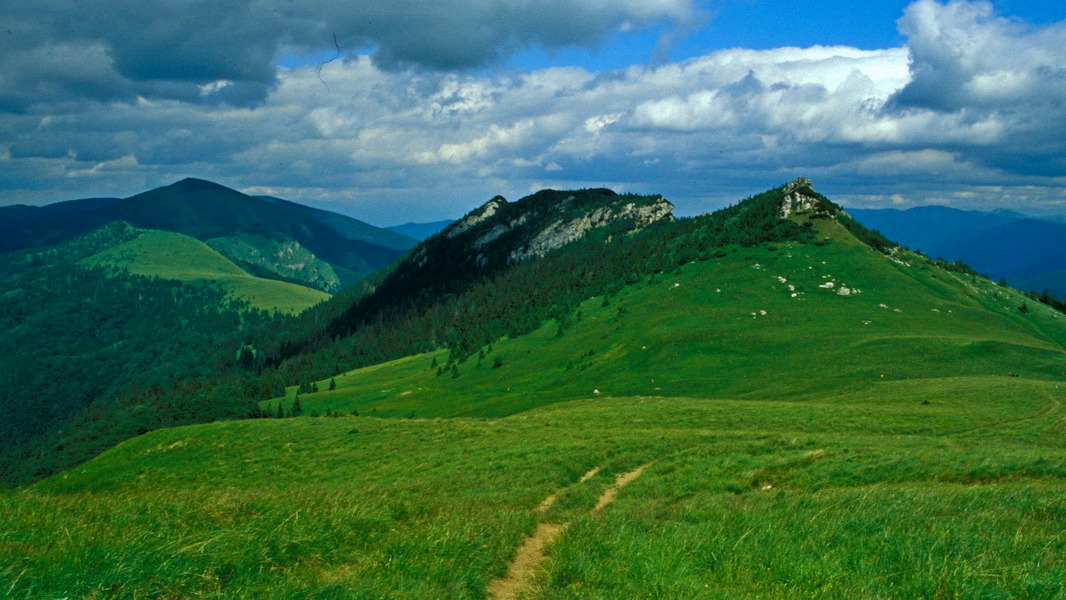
x,y
415,110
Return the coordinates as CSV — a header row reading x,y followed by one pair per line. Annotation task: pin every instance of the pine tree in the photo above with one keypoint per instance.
x,y
314,387
332,384
280,414
297,410
433,365
455,371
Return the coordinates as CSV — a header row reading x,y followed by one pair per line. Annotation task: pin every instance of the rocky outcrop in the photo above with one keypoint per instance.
x,y
562,232
477,216
285,258
798,198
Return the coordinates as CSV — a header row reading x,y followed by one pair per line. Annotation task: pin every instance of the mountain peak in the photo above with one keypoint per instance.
x,y
194,184
798,196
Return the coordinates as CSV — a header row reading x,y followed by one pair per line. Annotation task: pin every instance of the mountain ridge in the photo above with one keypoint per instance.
x,y
209,211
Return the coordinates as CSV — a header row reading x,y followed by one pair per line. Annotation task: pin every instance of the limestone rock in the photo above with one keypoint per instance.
x,y
486,211
563,232
796,200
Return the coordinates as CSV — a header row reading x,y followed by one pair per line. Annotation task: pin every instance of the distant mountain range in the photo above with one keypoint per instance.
x,y
266,236
420,231
1029,253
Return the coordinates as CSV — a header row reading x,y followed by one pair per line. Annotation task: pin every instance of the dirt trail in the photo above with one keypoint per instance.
x,y
623,480
547,503
531,553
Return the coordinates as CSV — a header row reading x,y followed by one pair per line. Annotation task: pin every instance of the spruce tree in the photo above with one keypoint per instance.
x,y
297,410
332,384
455,371
280,414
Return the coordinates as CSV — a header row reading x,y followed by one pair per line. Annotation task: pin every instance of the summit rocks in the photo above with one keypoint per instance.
x,y
798,197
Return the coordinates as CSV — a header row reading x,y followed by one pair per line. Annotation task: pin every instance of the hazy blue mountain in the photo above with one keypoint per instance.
x,y
1029,253
354,229
420,231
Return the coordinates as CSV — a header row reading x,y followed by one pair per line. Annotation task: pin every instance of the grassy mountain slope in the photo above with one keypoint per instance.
x,y
831,447
175,256
693,334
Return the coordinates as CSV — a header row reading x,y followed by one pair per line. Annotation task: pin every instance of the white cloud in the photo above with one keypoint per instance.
x,y
865,124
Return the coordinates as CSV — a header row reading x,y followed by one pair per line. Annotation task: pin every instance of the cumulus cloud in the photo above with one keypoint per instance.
x,y
970,112
206,51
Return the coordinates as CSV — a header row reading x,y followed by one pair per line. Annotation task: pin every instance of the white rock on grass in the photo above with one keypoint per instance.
x,y
827,285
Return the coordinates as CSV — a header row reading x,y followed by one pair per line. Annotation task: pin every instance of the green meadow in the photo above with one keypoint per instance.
x,y
906,439
172,255
949,491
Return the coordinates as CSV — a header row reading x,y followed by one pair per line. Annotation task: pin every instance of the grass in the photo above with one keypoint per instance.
x,y
865,500
176,256
801,453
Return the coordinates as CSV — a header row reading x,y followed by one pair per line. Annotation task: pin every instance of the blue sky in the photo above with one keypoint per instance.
x,y
431,108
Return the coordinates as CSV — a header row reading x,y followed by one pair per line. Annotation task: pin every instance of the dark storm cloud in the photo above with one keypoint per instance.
x,y
53,52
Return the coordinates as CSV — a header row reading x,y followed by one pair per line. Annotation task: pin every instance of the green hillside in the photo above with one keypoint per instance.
x,y
83,344
701,331
175,256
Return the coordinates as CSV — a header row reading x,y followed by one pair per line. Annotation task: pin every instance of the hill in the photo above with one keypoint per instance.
x,y
75,334
828,310
267,236
169,255
1028,253
770,401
